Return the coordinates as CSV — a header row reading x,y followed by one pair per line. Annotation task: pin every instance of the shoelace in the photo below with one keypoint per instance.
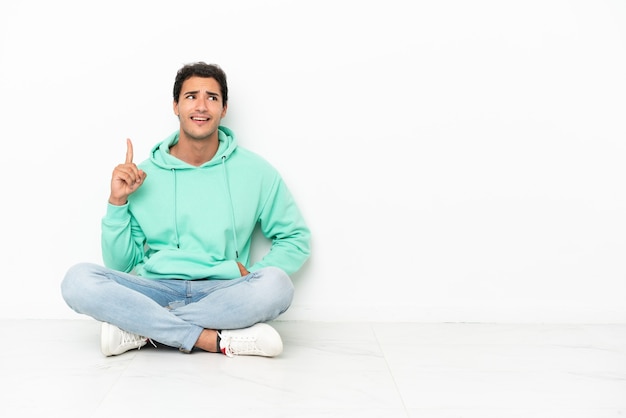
x,y
134,339
240,345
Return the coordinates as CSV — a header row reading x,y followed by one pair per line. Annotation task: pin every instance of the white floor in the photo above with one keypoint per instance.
x,y
55,369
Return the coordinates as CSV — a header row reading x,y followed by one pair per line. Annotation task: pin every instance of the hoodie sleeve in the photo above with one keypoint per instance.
x,y
282,223
122,240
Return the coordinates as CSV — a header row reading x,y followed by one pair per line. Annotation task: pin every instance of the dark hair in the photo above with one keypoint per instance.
x,y
201,69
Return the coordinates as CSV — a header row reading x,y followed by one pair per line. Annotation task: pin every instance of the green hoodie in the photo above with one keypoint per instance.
x,y
188,222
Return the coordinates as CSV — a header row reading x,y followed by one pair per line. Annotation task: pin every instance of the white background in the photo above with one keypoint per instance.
x,y
455,160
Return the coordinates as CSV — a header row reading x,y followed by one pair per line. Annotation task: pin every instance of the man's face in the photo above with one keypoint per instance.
x,y
200,108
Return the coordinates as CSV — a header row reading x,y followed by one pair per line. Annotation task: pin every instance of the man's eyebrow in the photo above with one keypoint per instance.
x,y
195,92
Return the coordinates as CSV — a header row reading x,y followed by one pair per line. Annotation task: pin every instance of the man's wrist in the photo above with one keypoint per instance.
x,y
117,202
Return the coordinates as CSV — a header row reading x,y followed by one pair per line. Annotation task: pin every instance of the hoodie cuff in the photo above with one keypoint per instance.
x,y
115,212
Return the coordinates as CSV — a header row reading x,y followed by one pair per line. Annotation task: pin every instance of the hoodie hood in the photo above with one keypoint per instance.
x,y
161,157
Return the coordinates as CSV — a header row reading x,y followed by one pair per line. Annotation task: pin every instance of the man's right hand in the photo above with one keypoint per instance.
x,y
242,270
126,178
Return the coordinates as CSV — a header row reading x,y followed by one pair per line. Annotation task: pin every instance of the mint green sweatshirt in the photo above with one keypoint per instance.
x,y
190,222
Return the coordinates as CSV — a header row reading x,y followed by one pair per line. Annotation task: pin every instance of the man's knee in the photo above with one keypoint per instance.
x,y
74,277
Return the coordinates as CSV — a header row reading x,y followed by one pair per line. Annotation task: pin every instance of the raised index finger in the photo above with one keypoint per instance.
x,y
129,151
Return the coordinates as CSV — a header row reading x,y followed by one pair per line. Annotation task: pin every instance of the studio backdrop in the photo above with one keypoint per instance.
x,y
455,160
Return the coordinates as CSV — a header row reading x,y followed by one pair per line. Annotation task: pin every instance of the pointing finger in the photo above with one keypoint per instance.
x,y
129,151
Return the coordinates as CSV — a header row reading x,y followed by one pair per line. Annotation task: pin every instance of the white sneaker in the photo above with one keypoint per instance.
x,y
258,340
114,341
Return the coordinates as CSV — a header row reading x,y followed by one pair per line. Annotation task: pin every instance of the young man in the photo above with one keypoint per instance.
x,y
177,233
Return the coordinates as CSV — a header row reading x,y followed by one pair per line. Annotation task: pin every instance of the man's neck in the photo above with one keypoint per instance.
x,y
195,152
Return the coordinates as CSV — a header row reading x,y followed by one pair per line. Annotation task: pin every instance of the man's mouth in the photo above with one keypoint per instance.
x,y
199,119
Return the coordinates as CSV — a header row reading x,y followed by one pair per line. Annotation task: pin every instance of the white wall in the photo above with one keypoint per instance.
x,y
456,160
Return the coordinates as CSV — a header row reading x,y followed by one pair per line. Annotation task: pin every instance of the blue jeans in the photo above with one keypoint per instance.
x,y
174,312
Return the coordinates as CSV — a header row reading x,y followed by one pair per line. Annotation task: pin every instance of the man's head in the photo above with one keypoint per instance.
x,y
201,69
200,96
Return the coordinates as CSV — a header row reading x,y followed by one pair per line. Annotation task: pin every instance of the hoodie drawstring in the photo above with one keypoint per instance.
x,y
175,209
232,207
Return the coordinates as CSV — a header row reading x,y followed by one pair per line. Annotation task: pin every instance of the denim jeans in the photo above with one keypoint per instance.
x,y
174,312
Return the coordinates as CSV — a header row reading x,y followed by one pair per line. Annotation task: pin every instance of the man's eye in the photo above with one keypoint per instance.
x,y
190,96
214,98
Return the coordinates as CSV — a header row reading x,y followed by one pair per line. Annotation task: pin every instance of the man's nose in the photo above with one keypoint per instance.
x,y
202,104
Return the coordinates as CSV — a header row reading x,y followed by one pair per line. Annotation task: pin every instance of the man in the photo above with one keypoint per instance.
x,y
177,234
